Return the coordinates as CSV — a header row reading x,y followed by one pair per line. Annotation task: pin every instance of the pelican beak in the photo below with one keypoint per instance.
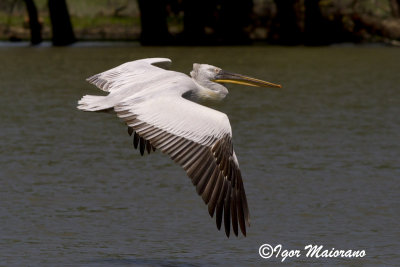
x,y
227,77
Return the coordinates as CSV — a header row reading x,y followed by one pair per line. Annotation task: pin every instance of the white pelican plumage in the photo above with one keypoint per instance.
x,y
156,105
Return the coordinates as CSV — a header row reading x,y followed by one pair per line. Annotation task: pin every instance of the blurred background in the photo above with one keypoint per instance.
x,y
205,22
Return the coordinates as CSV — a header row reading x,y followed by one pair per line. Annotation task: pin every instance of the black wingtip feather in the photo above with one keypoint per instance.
x,y
234,212
135,140
142,145
227,215
130,130
240,212
148,146
220,204
215,195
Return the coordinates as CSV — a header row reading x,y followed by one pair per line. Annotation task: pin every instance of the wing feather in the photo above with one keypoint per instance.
x,y
227,209
206,195
234,211
220,204
205,178
200,140
128,74
215,194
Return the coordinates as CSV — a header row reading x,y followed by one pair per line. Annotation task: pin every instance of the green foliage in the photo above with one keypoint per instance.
x,y
100,21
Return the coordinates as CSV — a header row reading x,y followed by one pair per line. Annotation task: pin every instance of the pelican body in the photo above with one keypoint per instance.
x,y
158,107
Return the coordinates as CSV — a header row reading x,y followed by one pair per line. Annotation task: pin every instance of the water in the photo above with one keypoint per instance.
x,y
320,159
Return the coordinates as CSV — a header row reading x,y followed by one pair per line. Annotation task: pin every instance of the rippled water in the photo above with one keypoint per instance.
x,y
320,159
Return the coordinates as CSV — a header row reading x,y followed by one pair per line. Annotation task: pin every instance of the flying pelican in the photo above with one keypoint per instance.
x,y
156,105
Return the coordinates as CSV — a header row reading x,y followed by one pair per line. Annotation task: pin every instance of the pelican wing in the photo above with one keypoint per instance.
x,y
128,74
200,140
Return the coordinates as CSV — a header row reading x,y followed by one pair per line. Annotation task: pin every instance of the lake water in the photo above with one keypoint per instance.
x,y
320,160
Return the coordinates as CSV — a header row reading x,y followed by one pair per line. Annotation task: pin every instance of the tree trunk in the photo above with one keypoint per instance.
x,y
63,33
194,21
153,17
234,17
395,6
286,30
314,24
34,25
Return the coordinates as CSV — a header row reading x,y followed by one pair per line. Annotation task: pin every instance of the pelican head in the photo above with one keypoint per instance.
x,y
208,80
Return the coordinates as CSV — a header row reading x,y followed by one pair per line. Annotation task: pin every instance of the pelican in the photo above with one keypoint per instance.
x,y
158,106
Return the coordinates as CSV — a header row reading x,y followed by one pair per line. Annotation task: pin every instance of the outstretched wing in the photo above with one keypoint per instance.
x,y
129,73
200,140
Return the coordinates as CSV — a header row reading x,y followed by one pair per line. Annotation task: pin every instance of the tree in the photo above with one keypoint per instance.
x,y
320,30
395,6
196,17
286,29
234,16
153,17
314,24
63,33
34,25
227,20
